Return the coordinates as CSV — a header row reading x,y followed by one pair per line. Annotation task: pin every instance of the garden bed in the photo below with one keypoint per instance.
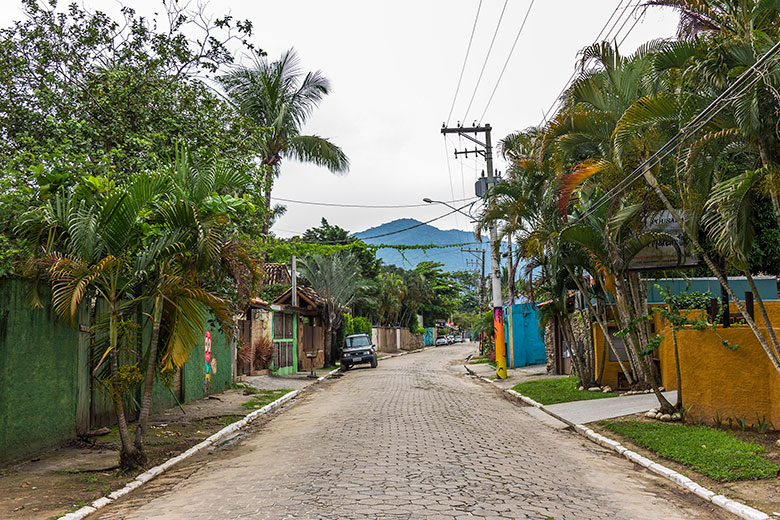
x,y
64,479
743,465
558,390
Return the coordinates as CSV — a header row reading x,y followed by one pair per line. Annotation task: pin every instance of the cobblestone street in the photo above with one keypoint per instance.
x,y
412,439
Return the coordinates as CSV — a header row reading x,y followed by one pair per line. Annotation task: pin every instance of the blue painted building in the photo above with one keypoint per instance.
x,y
524,339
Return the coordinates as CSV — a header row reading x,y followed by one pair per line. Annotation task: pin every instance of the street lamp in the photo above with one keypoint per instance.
x,y
453,208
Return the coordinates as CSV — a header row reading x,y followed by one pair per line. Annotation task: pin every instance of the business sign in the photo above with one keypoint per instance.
x,y
663,254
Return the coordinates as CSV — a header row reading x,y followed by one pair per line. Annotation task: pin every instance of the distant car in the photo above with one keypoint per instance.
x,y
441,340
458,338
357,349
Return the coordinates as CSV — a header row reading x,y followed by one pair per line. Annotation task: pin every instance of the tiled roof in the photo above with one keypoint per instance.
x,y
276,274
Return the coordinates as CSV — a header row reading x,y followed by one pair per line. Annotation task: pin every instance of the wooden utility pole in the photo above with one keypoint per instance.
x,y
495,256
480,254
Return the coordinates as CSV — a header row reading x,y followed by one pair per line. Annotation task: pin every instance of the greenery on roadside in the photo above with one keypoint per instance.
x,y
561,390
715,454
261,398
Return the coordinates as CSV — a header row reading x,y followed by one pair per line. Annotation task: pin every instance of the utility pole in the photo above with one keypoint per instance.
x,y
495,257
480,254
294,281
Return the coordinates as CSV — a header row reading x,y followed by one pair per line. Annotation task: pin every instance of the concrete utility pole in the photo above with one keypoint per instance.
x,y
495,257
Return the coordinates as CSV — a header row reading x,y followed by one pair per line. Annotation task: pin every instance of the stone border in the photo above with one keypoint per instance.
x,y
732,506
148,475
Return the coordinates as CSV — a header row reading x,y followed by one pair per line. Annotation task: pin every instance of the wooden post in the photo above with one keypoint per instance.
x,y
83,375
713,309
749,304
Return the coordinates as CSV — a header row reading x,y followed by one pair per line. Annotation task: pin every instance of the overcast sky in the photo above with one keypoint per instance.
x,y
394,67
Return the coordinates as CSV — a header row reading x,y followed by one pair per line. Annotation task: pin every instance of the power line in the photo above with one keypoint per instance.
x,y
574,73
487,56
363,206
465,59
417,225
420,224
522,25
698,122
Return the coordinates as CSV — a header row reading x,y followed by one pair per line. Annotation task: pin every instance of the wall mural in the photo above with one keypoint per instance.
x,y
210,367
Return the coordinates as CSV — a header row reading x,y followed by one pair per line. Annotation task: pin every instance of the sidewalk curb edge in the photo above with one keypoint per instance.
x,y
160,469
732,506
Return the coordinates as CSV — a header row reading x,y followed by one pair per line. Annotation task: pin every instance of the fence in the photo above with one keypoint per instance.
x,y
47,394
391,339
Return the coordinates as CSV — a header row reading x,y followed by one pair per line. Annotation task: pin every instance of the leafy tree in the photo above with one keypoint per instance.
x,y
443,289
86,98
280,98
335,235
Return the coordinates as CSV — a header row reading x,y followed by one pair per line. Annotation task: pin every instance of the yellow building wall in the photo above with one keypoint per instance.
x,y
718,381
741,384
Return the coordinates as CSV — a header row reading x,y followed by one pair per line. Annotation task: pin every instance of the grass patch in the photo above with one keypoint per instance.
x,y
713,453
264,397
479,360
561,390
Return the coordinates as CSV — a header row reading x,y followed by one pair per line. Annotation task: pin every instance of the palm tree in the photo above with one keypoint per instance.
x,y
279,99
88,251
337,280
189,242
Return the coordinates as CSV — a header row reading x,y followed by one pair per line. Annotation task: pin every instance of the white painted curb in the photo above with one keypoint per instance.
x,y
732,506
157,470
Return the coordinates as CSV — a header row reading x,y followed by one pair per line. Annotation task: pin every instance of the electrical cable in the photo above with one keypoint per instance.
x,y
364,206
574,74
487,56
465,59
506,63
698,122
420,224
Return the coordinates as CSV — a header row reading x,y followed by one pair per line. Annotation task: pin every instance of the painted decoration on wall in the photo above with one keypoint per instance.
x,y
207,365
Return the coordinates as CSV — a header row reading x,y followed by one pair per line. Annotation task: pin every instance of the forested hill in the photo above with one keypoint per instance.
x,y
452,258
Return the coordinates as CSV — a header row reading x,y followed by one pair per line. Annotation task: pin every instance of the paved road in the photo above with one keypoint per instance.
x,y
412,439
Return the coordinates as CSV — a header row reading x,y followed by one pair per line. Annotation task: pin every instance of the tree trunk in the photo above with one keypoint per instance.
x,y
130,457
607,338
151,368
762,309
269,180
679,404
329,360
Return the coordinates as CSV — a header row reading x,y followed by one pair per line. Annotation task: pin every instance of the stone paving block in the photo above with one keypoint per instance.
x,y
413,439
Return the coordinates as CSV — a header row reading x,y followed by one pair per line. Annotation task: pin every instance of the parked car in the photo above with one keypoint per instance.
x,y
458,338
441,340
357,349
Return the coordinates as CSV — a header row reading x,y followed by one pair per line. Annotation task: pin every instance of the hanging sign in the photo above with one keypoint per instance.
x,y
663,254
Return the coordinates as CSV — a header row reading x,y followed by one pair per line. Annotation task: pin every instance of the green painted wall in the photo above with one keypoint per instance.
x,y
38,375
194,377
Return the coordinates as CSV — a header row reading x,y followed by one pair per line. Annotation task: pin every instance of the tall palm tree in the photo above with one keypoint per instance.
x,y
337,280
279,98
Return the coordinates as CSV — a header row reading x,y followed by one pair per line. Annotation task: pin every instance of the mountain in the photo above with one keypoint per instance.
x,y
424,234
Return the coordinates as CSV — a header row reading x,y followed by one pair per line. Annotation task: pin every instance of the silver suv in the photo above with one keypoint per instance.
x,y
357,349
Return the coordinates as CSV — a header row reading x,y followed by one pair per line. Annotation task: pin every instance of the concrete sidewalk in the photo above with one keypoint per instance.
x,y
582,412
577,412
